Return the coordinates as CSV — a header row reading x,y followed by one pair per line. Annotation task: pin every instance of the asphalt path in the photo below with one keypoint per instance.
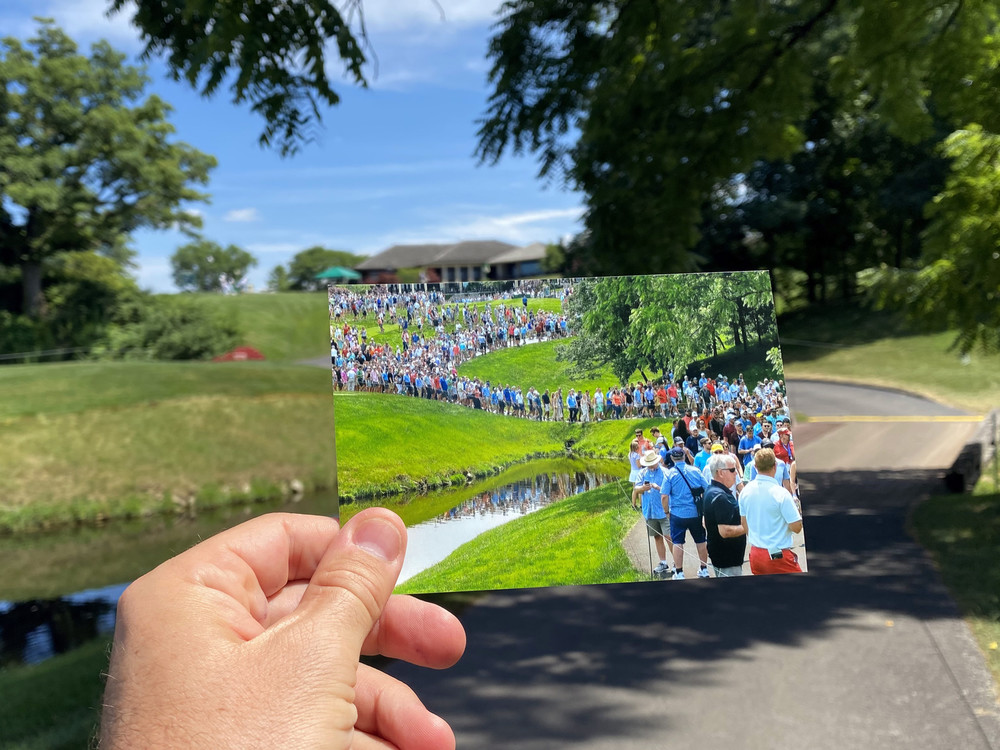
x,y
864,650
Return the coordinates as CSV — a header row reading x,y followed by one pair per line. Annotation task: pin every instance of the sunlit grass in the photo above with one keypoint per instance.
x,y
55,704
283,327
582,544
854,344
60,388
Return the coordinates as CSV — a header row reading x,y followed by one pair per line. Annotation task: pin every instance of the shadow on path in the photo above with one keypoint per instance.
x,y
866,647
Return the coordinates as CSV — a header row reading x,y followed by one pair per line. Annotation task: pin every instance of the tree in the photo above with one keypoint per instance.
x,y
654,109
661,323
302,268
86,160
273,52
277,280
957,281
200,266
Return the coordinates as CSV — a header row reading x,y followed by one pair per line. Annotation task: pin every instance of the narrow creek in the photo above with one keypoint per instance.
x,y
59,590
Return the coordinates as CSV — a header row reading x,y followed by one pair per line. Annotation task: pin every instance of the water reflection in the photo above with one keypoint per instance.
x,y
39,619
432,541
35,630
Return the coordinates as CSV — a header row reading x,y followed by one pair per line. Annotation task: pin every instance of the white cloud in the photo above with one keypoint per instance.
x,y
414,14
523,227
84,20
241,215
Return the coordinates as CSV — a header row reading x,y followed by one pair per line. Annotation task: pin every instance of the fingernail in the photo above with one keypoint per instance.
x,y
380,538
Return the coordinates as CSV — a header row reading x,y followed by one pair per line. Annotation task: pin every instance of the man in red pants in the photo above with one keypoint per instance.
x,y
770,516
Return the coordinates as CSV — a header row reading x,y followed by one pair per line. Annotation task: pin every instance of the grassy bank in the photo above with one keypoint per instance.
x,y
69,387
417,512
105,463
536,365
53,705
849,342
510,556
962,533
283,327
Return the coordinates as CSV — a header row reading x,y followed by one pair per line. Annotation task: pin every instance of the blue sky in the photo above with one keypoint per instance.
x,y
392,164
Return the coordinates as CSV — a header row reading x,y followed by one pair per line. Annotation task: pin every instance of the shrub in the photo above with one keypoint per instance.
x,y
166,328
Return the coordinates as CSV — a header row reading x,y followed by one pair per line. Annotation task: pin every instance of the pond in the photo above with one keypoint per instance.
x,y
59,590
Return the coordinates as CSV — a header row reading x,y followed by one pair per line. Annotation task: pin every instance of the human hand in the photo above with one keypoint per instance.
x,y
252,639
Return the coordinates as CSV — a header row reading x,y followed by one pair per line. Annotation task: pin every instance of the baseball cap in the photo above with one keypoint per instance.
x,y
677,452
717,448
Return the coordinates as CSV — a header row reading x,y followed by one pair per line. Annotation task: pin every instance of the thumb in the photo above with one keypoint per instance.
x,y
355,578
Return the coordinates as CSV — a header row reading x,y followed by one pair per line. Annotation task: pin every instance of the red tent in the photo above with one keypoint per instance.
x,y
239,354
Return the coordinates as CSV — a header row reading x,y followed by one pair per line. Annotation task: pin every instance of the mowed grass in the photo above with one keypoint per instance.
x,y
537,365
67,387
962,533
850,343
54,705
284,327
582,534
381,439
64,468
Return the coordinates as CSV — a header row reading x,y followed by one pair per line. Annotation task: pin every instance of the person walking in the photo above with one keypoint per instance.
x,y
683,481
650,485
770,516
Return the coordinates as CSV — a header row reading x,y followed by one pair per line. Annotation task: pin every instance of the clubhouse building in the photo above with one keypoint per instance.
x,y
473,260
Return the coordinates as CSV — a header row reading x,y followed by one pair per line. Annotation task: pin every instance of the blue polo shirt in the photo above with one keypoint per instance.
x,y
746,443
681,500
652,505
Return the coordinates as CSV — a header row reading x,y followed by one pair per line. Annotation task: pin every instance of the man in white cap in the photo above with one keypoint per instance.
x,y
649,485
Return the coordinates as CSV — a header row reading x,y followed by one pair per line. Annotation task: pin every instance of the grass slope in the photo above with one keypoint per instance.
x,y
850,342
54,705
511,557
283,327
535,365
61,468
68,387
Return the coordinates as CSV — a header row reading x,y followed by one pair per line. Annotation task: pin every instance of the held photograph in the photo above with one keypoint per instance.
x,y
568,431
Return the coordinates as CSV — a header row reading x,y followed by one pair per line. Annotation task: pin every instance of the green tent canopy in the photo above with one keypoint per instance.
x,y
339,273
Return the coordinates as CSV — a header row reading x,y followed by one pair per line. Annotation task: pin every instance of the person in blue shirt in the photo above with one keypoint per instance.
x,y
684,515
747,444
781,474
649,484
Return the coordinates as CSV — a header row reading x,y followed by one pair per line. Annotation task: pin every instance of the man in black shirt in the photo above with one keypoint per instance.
x,y
726,537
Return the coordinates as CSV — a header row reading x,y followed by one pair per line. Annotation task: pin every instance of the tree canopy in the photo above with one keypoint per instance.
x,y
86,160
658,110
274,54
664,323
304,266
200,266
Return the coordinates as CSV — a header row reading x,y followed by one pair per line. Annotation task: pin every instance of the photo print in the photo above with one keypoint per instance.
x,y
565,431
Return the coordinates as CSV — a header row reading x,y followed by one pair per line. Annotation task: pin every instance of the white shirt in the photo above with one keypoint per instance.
x,y
768,508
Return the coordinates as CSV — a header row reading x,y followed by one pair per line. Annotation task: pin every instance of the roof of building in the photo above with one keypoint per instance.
x,y
471,252
534,251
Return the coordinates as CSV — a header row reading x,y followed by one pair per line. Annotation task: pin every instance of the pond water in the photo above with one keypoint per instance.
x,y
59,590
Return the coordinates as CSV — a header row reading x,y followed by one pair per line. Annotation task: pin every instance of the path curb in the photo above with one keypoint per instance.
x,y
968,467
